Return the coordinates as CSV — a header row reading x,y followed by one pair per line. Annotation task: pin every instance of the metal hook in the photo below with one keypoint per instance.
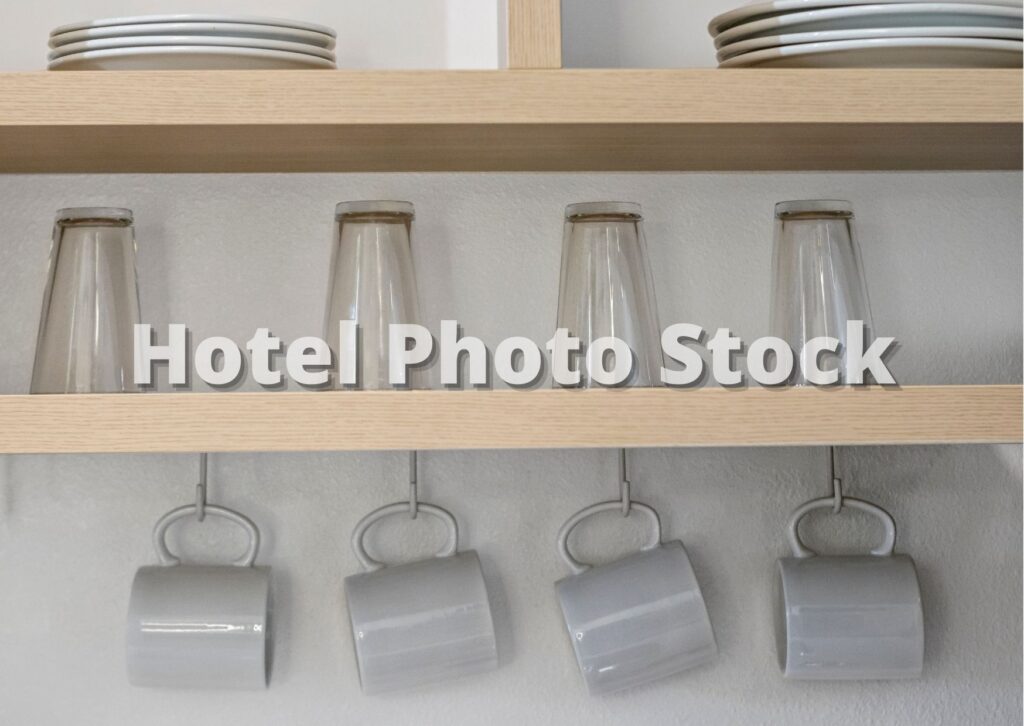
x,y
413,485
837,483
201,488
624,484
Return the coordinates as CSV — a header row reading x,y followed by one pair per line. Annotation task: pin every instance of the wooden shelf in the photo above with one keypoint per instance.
x,y
356,420
537,120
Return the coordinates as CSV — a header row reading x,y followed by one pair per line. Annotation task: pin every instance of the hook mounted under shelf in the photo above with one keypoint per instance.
x,y
625,486
837,483
414,504
201,487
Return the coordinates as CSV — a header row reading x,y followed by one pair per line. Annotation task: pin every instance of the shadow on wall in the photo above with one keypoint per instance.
x,y
639,33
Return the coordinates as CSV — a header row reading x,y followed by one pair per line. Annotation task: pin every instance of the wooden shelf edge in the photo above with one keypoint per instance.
x,y
574,96
398,420
512,120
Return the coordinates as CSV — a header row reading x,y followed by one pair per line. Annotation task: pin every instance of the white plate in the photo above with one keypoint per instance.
x,y
186,58
237,30
877,16
135,41
764,9
772,41
888,53
194,18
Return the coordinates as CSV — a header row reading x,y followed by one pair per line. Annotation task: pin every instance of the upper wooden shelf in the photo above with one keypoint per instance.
x,y
368,420
548,120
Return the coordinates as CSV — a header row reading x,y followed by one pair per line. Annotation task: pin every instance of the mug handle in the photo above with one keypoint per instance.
x,y
369,564
578,567
801,550
160,532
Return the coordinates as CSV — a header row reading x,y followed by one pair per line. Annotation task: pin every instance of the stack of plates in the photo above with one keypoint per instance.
x,y
870,33
190,42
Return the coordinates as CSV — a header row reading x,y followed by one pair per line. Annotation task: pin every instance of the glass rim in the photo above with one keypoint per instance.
x,y
830,207
371,206
603,209
74,214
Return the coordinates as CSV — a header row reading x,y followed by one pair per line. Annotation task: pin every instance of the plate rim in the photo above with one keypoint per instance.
x,y
225,41
744,30
237,29
747,13
837,45
193,18
924,31
185,49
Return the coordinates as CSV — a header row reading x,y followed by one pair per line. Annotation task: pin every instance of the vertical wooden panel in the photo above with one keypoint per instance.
x,y
534,34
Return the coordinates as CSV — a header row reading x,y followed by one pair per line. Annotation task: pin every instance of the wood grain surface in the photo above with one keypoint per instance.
x,y
534,34
370,420
583,120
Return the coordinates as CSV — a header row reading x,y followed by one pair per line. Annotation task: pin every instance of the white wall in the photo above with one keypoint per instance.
x,y
639,33
225,253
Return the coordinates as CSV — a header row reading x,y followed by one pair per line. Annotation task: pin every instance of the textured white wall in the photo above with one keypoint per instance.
x,y
224,253
639,33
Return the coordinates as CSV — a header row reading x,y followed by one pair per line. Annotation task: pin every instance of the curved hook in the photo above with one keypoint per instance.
x,y
801,550
160,532
369,564
578,567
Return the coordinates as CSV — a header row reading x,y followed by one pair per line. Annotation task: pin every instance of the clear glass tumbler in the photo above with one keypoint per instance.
x,y
91,303
373,283
817,277
606,289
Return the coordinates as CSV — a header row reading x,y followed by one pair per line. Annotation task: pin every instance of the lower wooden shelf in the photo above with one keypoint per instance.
x,y
373,420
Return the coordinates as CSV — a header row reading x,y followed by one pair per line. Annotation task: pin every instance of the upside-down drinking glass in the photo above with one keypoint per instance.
x,y
373,283
606,289
817,278
91,303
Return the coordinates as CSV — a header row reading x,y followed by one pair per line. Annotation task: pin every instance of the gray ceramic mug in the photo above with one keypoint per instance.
x,y
419,623
637,619
848,617
200,626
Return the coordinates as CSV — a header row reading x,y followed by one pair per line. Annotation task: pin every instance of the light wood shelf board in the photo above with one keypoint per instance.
x,y
573,120
534,33
375,420
98,98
